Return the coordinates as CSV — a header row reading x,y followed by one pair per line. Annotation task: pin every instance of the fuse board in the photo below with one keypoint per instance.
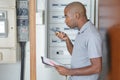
x,y
56,22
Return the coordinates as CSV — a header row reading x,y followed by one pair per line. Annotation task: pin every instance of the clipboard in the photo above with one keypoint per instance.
x,y
49,62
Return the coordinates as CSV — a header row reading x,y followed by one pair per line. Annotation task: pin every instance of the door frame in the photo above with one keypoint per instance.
x,y
32,24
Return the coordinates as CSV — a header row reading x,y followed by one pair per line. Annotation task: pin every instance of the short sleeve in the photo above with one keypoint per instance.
x,y
94,47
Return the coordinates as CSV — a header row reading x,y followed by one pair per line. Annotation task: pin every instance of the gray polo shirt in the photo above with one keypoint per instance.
x,y
88,44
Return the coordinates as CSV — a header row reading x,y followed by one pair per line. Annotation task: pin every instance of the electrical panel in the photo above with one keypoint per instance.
x,y
55,21
8,40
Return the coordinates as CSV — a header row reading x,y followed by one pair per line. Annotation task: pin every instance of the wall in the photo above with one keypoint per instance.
x,y
12,71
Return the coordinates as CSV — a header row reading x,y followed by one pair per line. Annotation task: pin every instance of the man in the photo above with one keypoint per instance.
x,y
86,61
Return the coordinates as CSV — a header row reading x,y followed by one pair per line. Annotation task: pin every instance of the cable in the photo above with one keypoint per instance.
x,y
22,45
66,77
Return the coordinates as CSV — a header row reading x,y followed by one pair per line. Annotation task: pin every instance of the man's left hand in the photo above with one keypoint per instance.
x,y
62,70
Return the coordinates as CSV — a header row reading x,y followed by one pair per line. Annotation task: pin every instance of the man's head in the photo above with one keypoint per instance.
x,y
75,14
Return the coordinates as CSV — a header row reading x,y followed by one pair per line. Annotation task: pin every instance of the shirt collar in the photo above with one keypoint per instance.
x,y
84,27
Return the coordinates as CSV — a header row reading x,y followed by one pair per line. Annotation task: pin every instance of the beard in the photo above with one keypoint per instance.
x,y
72,26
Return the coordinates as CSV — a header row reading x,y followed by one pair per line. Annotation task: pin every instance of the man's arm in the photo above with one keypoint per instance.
x,y
69,45
95,67
64,37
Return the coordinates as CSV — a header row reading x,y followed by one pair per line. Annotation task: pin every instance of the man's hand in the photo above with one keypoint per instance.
x,y
62,35
62,70
65,37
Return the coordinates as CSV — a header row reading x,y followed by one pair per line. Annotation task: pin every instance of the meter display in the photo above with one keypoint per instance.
x,y
3,24
2,27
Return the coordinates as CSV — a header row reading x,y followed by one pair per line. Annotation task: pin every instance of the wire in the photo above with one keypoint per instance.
x,y
22,44
66,77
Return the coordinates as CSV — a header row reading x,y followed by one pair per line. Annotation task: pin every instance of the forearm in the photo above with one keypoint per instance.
x,y
83,71
95,67
69,46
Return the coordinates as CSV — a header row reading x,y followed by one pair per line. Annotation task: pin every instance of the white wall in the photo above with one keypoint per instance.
x,y
12,71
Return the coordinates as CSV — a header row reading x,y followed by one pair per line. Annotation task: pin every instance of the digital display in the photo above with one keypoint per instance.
x,y
2,27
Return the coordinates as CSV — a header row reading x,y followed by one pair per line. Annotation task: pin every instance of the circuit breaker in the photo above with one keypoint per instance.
x,y
22,20
8,40
55,21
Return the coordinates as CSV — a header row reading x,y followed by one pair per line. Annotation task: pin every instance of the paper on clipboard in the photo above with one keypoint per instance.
x,y
49,61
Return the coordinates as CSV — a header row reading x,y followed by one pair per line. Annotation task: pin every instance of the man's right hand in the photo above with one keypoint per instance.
x,y
62,35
